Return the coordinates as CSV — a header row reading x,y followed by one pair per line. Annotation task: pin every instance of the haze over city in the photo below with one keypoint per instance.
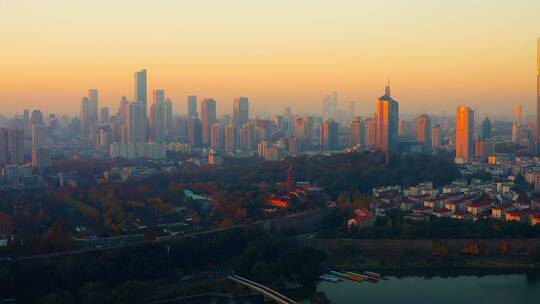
x,y
278,53
250,152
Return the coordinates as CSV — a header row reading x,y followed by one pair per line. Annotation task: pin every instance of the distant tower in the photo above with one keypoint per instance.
x,y
464,134
291,183
387,118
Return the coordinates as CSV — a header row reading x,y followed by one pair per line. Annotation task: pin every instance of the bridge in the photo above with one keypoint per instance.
x,y
265,291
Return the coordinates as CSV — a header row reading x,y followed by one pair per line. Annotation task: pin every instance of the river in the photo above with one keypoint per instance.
x,y
507,288
426,288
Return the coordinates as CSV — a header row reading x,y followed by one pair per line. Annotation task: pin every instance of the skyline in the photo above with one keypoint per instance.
x,y
192,50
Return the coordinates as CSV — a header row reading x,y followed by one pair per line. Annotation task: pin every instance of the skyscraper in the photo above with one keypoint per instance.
x,y
356,134
104,115
231,138
194,132
464,134
158,117
330,135
192,106
217,137
3,147
135,124
387,118
208,117
168,118
485,129
241,111
517,114
423,131
140,93
436,138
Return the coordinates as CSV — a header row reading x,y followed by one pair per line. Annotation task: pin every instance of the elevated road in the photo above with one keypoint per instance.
x,y
264,290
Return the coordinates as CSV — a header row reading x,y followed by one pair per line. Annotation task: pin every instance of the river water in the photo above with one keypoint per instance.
x,y
508,288
422,289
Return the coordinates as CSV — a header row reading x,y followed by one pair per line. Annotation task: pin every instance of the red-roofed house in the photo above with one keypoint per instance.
x,y
363,218
443,212
409,204
480,207
462,215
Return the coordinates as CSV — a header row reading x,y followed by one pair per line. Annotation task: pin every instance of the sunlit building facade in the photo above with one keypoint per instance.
x,y
464,134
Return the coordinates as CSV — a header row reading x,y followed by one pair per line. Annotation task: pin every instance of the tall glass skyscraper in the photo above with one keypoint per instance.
x,y
464,134
241,111
387,117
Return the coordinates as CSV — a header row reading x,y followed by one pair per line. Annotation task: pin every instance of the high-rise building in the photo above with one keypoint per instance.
x,y
356,133
387,117
158,113
485,130
241,111
41,158
192,106
423,131
330,106
303,130
140,92
104,115
330,135
464,134
436,138
217,137
168,117
516,133
208,117
123,109
231,138
194,132
135,124
3,147
37,117
39,135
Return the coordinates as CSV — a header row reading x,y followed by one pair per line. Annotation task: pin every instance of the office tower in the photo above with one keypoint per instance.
x,y
387,122
485,130
16,146
516,133
208,117
330,135
436,137
192,106
135,124
356,133
140,94
371,132
217,137
158,113
41,159
352,108
303,130
464,134
423,131
37,117
538,97
168,117
180,129
231,138
104,115
194,132
39,135
3,147
123,109
240,111
93,104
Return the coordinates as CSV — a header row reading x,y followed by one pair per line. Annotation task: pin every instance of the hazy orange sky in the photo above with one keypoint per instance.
x,y
438,53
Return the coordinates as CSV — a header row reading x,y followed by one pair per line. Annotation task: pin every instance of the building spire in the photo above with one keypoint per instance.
x,y
387,89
